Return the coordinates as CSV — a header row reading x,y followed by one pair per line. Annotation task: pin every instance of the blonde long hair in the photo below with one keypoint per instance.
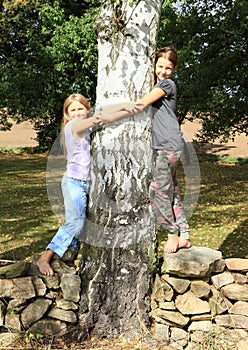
x,y
68,101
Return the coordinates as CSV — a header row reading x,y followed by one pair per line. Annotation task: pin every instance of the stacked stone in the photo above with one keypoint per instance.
x,y
37,303
198,298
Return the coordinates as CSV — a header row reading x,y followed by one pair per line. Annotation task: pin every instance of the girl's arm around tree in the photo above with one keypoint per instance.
x,y
125,109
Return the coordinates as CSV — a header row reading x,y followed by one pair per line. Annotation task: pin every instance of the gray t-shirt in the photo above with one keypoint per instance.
x,y
166,132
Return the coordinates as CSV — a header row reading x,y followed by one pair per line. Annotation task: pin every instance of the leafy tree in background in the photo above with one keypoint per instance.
x,y
48,50
211,38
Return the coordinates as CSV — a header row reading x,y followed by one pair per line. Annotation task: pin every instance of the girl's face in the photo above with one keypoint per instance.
x,y
77,109
164,69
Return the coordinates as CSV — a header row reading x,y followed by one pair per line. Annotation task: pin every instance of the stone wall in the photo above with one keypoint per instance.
x,y
35,303
198,297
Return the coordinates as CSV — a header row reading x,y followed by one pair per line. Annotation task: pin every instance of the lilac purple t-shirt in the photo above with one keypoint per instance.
x,y
77,154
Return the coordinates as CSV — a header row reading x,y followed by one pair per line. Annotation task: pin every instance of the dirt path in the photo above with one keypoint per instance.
x,y
22,135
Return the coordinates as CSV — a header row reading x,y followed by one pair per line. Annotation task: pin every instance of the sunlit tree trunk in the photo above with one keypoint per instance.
x,y
118,255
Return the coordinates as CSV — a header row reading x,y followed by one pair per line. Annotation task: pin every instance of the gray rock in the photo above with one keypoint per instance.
x,y
218,302
161,290
66,305
71,287
16,305
14,270
239,308
180,285
6,339
239,278
17,288
167,305
48,327
63,315
179,336
189,304
39,286
173,318
204,326
237,264
222,279
12,321
35,311
201,289
193,262
236,291
161,332
234,321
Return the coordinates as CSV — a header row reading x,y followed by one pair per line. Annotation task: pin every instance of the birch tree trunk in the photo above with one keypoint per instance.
x,y
118,256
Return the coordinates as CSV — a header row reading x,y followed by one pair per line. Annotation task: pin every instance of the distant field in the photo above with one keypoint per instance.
x,y
23,135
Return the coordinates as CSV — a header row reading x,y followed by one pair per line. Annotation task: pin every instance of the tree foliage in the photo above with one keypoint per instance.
x,y
48,50
212,76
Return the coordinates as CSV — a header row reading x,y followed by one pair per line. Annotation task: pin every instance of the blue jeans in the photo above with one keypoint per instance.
x,y
75,201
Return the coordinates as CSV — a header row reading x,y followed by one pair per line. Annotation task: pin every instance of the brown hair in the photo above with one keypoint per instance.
x,y
168,52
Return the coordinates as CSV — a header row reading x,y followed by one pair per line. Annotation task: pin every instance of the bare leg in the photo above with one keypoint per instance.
x,y
172,244
43,263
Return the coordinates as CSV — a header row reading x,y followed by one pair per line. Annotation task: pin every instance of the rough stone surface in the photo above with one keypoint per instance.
x,y
214,304
17,288
14,270
200,289
63,315
161,332
189,304
35,311
239,308
192,262
185,310
179,285
48,327
222,279
218,302
174,318
25,301
236,292
71,286
237,264
234,321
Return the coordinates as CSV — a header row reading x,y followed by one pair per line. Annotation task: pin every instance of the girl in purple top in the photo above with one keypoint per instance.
x,y
75,183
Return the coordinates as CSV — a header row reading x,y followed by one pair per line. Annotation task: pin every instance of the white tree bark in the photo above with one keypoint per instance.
x,y
121,152
118,257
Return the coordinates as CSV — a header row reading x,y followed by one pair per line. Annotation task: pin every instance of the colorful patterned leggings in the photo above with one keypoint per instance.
x,y
165,194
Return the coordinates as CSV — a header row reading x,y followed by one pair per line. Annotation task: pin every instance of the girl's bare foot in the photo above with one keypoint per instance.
x,y
172,245
43,263
184,243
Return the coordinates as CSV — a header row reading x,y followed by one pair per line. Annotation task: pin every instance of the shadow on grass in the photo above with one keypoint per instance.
x,y
27,221
235,245
26,251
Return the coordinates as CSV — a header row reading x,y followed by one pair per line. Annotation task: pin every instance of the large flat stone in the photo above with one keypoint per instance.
x,y
193,262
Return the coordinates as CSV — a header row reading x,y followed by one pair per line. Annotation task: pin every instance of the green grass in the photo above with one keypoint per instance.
x,y
28,223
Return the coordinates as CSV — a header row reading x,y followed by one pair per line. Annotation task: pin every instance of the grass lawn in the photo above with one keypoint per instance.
x,y
27,222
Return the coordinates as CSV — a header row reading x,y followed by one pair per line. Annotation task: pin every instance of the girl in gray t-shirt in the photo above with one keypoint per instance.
x,y
167,145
